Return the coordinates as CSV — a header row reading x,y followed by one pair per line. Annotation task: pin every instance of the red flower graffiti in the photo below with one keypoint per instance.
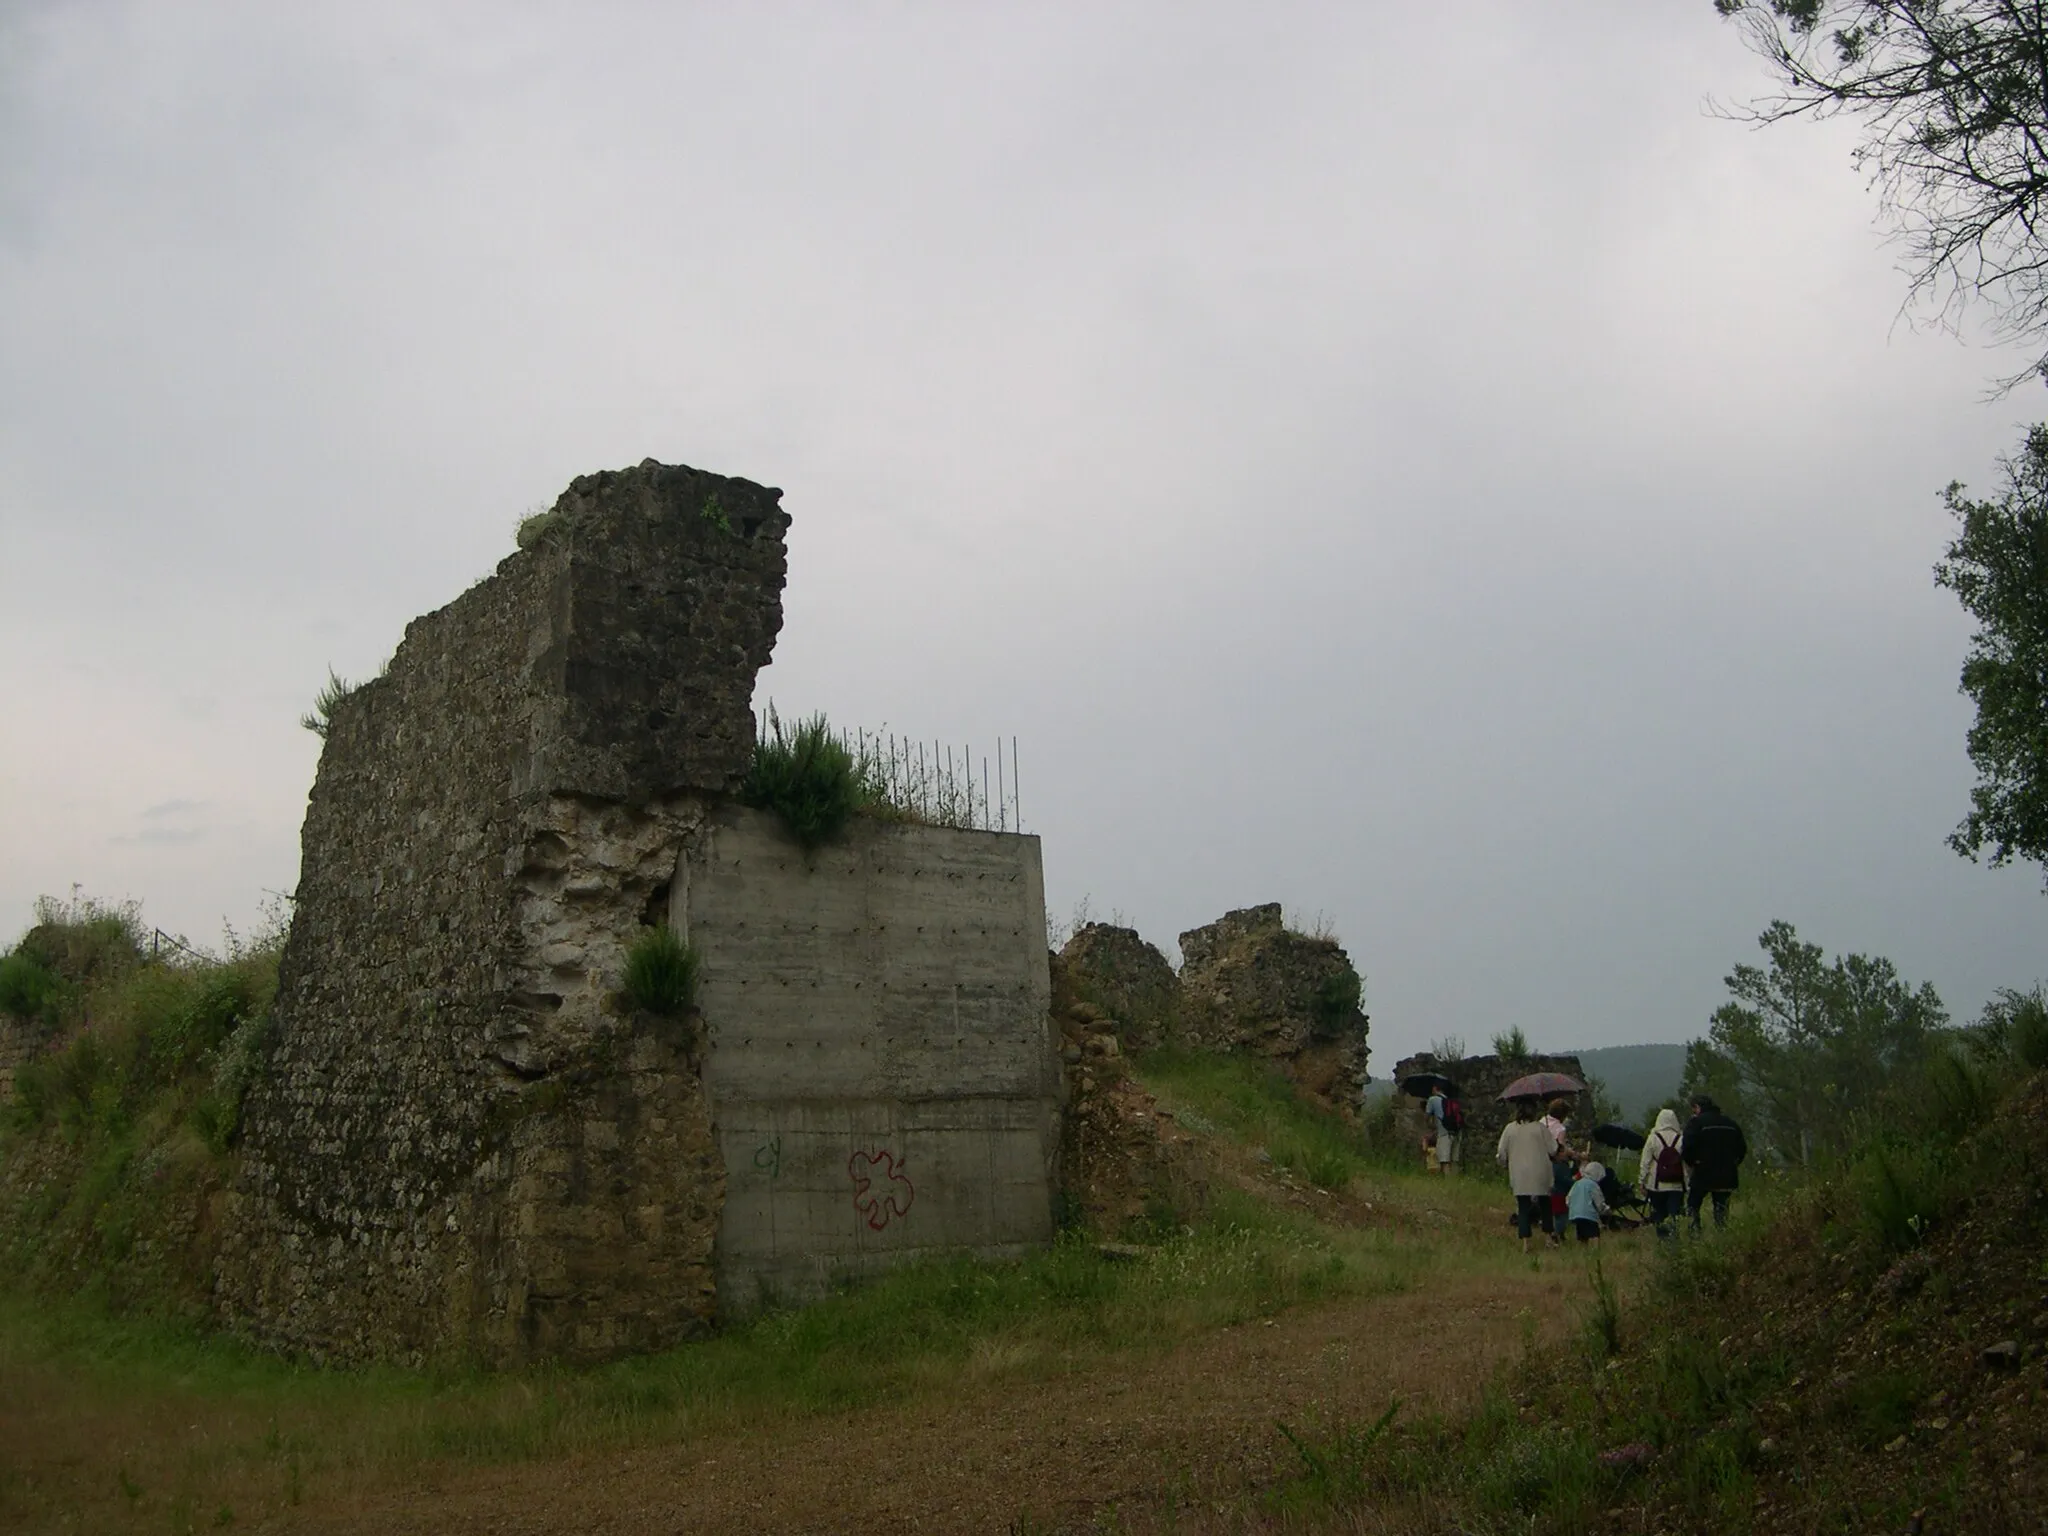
x,y
880,1189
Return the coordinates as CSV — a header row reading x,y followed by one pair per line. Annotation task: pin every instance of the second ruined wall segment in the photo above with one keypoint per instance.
x,y
459,1148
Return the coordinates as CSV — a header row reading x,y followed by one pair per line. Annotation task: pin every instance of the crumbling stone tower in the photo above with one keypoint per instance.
x,y
459,1146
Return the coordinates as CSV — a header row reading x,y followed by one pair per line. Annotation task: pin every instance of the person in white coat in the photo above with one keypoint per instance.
x,y
1661,1176
1526,1150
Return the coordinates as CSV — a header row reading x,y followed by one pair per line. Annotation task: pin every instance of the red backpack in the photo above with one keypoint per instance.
x,y
1454,1116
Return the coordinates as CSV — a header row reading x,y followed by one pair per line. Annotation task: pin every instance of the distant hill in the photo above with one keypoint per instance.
x,y
1640,1076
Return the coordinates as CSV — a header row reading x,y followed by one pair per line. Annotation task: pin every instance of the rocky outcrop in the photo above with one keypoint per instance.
x,y
1248,982
1128,980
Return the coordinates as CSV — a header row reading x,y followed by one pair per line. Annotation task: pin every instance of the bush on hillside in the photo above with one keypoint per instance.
x,y
159,1030
74,945
807,776
29,989
2014,1025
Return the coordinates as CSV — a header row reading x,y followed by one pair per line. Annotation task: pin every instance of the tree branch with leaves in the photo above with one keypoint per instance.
x,y
1953,98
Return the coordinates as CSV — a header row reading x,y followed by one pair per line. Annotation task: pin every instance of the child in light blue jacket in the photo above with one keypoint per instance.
x,y
1585,1205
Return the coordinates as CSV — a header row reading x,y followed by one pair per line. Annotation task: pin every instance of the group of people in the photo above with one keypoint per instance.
x,y
1559,1186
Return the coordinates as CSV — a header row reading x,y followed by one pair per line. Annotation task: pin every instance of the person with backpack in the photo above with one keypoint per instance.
x,y
1448,1116
1713,1147
1662,1174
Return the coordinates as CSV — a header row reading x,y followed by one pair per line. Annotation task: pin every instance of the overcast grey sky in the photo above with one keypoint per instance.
x,y
1407,462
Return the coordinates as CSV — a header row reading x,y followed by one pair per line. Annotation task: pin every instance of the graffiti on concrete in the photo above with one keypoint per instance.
x,y
880,1187
768,1156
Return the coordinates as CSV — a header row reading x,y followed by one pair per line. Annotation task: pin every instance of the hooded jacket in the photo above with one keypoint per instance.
x,y
1665,1133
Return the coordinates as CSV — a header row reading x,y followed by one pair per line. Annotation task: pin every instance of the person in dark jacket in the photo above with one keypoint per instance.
x,y
1713,1147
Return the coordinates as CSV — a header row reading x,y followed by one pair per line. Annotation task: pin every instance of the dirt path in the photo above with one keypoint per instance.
x,y
1046,1453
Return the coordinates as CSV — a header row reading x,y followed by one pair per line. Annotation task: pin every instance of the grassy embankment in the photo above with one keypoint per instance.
x,y
117,1135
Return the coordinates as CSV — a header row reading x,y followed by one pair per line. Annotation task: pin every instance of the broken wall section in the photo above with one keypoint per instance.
x,y
1251,983
458,1148
1248,983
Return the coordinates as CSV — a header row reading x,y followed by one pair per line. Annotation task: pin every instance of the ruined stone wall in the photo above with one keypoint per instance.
x,y
458,1146
1250,983
882,1069
1126,979
1480,1079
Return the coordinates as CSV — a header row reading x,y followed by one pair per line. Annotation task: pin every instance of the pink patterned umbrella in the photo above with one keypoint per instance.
x,y
1541,1085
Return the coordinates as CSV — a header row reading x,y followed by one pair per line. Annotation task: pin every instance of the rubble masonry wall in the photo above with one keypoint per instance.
x,y
458,1148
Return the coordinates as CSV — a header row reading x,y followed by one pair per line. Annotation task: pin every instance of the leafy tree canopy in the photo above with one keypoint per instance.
x,y
1803,1045
1998,569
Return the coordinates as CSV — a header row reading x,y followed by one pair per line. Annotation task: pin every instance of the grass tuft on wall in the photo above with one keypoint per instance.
x,y
661,974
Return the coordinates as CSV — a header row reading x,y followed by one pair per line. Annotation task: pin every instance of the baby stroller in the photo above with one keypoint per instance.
x,y
1626,1208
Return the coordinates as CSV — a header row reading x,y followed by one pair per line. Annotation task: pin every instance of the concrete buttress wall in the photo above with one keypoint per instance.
x,y
882,1070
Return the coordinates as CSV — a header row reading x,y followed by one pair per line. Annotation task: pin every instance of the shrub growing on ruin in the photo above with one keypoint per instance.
x,y
1511,1044
329,698
533,527
807,776
661,974
1337,998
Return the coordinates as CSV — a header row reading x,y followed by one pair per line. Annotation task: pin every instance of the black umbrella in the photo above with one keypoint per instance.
x,y
1619,1136
1422,1084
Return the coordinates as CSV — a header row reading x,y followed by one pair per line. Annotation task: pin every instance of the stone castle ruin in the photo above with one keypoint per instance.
x,y
1247,983
464,1145
1480,1080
